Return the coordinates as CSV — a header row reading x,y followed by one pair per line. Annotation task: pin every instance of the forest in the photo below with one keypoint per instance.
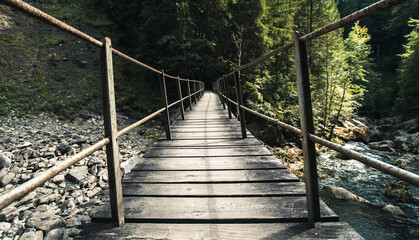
x,y
368,68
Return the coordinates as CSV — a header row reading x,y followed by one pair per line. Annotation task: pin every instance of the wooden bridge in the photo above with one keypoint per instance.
x,y
208,177
210,183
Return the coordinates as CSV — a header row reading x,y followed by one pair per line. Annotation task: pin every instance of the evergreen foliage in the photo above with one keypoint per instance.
x,y
408,100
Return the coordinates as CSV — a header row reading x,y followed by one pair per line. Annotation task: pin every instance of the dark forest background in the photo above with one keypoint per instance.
x,y
368,68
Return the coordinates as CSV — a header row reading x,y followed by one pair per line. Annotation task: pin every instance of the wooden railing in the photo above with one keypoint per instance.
x,y
195,91
223,88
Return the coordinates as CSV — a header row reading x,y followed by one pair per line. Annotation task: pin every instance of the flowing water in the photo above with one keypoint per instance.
x,y
370,220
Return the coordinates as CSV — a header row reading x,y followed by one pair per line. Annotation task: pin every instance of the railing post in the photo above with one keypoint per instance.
x,y
109,117
220,90
165,103
182,107
307,127
189,94
240,103
228,96
194,91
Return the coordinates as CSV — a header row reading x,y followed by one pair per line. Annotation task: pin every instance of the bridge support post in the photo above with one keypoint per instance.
x,y
165,103
109,117
228,96
307,127
182,107
189,94
194,91
221,90
239,96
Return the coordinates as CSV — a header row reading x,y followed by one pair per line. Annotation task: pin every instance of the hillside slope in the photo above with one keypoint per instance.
x,y
44,69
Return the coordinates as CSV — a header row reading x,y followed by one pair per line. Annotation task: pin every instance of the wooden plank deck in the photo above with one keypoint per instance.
x,y
209,183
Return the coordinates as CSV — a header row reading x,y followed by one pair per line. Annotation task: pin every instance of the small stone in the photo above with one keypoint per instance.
x,y
94,160
29,234
50,198
77,174
39,235
55,234
394,210
73,232
67,207
3,172
6,179
4,161
50,154
42,208
78,221
103,174
50,185
4,226
25,177
79,139
92,193
58,179
44,221
63,147
25,145
28,198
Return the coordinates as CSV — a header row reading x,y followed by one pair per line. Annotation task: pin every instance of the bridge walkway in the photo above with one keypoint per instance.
x,y
209,183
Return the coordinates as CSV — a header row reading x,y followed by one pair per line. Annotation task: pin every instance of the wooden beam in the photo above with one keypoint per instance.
x,y
307,128
227,95
179,90
189,94
240,103
109,116
163,92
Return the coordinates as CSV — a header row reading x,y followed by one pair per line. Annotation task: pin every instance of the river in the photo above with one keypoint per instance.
x,y
370,220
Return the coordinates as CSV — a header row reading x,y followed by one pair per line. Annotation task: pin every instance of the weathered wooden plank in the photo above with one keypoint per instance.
x,y
209,135
215,190
269,231
208,143
227,176
209,163
215,210
206,129
206,152
214,128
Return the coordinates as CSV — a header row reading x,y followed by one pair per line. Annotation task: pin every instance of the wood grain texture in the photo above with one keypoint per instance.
x,y
264,175
215,210
268,231
215,190
189,188
207,152
209,163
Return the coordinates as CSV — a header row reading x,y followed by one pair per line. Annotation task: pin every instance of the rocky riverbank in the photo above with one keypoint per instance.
x,y
59,209
375,203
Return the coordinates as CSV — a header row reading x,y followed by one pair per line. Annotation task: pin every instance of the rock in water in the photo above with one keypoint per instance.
x,y
394,210
343,194
396,190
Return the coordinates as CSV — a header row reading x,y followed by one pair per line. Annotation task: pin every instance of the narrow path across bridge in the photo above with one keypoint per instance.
x,y
209,183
